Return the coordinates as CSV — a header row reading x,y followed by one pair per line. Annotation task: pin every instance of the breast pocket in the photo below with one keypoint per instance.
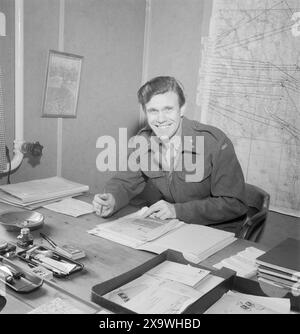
x,y
196,175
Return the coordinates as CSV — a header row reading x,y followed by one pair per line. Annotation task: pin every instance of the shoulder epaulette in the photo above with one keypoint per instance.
x,y
212,130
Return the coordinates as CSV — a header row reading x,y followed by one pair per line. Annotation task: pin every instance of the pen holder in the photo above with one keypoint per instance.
x,y
18,279
38,255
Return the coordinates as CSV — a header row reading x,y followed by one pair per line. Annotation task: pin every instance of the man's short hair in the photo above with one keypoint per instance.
x,y
160,85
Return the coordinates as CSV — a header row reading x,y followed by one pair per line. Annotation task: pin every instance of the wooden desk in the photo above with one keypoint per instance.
x,y
104,260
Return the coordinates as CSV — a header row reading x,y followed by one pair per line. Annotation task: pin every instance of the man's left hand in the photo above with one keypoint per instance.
x,y
161,210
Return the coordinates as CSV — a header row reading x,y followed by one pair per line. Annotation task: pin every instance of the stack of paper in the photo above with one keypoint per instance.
x,y
168,288
239,303
243,262
195,242
280,266
35,193
71,207
179,272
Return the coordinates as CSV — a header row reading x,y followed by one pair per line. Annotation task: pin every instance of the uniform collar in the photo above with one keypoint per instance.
x,y
187,130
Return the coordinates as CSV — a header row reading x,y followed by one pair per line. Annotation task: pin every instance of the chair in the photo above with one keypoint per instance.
x,y
2,302
258,202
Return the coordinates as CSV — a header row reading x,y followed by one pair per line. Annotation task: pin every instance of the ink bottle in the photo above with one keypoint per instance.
x,y
25,239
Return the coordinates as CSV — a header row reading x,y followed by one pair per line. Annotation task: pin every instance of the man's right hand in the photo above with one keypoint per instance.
x,y
104,204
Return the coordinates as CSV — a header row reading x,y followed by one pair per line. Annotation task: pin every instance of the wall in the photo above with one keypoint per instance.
x,y
7,64
40,34
109,35
176,29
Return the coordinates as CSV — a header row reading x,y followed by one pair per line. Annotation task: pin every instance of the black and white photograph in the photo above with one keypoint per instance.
x,y
150,162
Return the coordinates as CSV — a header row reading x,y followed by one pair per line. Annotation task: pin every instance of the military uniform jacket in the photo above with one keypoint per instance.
x,y
212,193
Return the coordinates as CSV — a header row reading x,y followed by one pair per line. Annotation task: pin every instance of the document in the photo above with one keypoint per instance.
x,y
71,207
195,242
238,303
134,231
179,272
168,288
152,295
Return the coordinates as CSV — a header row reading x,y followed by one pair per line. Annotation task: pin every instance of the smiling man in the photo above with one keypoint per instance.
x,y
193,166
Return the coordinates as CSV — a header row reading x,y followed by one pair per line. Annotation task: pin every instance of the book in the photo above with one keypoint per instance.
x,y
40,190
284,257
195,242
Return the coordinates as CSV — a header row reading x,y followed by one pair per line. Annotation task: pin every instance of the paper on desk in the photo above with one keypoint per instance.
x,y
239,303
70,206
134,230
149,294
179,272
243,262
56,306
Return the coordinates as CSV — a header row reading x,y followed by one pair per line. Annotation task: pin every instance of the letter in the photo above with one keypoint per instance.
x,y
109,154
196,323
188,323
102,324
155,147
180,322
138,159
111,323
198,167
129,323
123,149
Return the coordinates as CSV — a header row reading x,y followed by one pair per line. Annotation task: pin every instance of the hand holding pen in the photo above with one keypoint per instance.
x,y
104,204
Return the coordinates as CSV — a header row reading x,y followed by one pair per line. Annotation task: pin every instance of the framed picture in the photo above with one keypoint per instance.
x,y
62,85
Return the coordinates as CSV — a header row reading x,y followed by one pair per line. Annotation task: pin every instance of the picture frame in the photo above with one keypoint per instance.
x,y
62,85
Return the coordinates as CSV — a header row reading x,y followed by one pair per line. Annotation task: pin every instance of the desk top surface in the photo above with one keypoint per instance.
x,y
104,259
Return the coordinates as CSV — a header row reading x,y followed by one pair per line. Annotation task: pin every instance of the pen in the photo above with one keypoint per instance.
x,y
55,246
51,242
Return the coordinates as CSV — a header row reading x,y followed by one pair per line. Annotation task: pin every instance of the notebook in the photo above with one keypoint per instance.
x,y
284,257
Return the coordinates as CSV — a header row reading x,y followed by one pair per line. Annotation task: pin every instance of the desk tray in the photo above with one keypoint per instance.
x,y
23,280
199,306
59,257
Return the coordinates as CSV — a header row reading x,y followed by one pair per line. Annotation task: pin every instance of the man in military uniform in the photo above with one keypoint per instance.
x,y
212,192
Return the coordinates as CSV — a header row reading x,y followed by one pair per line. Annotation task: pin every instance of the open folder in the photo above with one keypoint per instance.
x,y
195,242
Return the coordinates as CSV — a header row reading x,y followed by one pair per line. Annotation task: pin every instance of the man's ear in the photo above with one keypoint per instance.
x,y
182,110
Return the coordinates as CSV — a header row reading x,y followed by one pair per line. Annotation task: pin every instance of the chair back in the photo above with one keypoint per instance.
x,y
258,202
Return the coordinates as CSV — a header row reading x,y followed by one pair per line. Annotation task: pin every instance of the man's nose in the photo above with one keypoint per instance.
x,y
161,117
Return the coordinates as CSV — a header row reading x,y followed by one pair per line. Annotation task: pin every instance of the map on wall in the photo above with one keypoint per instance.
x,y
249,86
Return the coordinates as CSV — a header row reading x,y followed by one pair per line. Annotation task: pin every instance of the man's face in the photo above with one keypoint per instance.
x,y
164,114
